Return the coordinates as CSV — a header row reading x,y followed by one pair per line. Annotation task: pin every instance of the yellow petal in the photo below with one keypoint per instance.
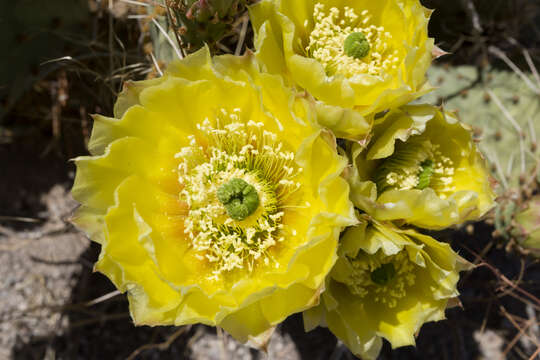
x,y
359,320
464,192
133,195
282,31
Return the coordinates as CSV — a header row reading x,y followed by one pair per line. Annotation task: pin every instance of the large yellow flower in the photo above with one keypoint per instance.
x,y
386,283
365,54
207,194
423,167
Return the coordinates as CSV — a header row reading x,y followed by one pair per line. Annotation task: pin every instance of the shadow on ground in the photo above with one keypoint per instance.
x,y
30,173
105,331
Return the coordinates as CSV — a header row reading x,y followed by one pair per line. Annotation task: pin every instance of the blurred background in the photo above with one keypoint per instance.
x,y
66,59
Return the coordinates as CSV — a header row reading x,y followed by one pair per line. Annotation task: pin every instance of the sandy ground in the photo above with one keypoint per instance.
x,y
37,272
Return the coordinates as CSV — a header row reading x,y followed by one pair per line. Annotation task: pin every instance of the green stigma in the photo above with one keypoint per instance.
x,y
239,198
356,45
424,176
383,274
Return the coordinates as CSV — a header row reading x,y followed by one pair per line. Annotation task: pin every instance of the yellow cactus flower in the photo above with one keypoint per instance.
x,y
207,195
527,226
367,55
423,167
386,283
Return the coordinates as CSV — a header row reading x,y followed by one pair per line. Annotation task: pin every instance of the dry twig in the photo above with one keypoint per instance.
x,y
160,346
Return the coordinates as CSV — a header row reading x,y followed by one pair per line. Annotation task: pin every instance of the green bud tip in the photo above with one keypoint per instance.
x,y
424,176
356,45
383,274
239,198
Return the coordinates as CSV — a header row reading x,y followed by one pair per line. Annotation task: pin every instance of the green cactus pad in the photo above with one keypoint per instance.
x,y
504,113
507,138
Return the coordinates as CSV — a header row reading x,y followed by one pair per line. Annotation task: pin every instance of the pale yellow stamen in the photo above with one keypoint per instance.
x,y
328,36
360,281
230,150
401,170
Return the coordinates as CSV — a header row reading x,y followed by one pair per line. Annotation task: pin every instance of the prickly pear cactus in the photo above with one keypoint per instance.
x,y
194,23
32,32
504,113
526,226
162,35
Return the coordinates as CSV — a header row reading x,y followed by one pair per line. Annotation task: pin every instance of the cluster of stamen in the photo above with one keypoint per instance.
x,y
227,159
384,279
417,164
330,32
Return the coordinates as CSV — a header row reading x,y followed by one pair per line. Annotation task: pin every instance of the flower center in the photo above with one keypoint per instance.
x,y
385,279
356,45
347,44
237,179
239,198
416,164
383,274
